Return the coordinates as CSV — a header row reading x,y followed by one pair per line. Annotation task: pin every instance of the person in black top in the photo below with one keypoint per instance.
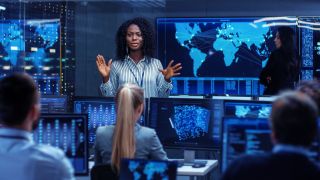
x,y
281,70
293,123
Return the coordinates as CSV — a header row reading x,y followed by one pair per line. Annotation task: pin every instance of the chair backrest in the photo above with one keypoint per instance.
x,y
103,172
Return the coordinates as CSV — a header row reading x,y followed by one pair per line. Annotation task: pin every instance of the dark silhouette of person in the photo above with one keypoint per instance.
x,y
282,69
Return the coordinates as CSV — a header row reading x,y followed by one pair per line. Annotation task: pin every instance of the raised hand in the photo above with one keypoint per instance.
x,y
103,68
171,71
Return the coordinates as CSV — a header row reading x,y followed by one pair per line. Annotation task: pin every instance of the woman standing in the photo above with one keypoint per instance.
x,y
281,70
135,63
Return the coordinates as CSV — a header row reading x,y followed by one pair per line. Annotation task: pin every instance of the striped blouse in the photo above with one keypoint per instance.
x,y
145,73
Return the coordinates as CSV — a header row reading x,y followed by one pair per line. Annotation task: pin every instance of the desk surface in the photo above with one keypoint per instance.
x,y
190,171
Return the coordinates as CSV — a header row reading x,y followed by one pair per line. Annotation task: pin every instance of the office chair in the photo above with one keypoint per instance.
x,y
103,172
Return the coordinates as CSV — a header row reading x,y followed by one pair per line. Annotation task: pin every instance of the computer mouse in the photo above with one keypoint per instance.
x,y
198,165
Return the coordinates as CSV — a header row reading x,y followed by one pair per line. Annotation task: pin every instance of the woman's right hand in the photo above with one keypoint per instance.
x,y
104,69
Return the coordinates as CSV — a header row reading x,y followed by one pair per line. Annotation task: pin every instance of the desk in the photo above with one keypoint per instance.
x,y
184,170
190,171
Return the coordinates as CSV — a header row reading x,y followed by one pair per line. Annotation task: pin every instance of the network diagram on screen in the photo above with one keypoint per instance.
x,y
190,121
218,55
32,46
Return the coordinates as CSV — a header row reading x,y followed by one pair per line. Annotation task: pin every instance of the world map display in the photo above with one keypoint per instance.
x,y
32,46
215,47
140,169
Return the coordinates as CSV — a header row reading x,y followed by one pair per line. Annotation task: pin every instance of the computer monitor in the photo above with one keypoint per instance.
x,y
244,109
250,136
67,132
184,123
147,169
244,136
101,112
53,104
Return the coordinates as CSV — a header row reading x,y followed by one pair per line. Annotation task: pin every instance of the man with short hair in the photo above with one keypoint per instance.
x,y
293,123
20,157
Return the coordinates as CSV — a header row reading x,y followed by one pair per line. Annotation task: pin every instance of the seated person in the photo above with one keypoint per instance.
x,y
293,123
127,139
20,157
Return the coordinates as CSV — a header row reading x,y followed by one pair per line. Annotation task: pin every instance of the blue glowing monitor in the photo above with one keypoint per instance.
x,y
101,112
244,136
184,123
310,47
251,136
53,104
138,169
67,132
244,109
30,45
218,55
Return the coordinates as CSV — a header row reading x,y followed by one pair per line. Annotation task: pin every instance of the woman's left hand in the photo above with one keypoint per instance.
x,y
171,71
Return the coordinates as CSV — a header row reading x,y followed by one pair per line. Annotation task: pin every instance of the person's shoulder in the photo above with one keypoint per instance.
x,y
118,62
277,52
251,160
147,129
147,132
105,129
152,60
47,153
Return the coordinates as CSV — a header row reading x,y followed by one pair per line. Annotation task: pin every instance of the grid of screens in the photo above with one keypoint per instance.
x,y
253,109
147,169
53,104
310,47
101,111
218,55
67,132
251,136
184,123
32,46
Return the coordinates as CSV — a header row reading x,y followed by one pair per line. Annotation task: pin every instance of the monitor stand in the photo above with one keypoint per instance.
x,y
189,159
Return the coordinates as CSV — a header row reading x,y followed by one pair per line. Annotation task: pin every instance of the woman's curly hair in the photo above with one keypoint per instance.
x,y
147,35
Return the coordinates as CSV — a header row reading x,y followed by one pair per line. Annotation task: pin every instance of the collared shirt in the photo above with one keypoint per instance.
x,y
145,73
21,158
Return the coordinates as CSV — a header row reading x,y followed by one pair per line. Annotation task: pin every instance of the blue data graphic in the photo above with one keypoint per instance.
x,y
310,47
186,123
101,112
243,109
67,132
190,121
221,55
150,170
137,169
32,46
